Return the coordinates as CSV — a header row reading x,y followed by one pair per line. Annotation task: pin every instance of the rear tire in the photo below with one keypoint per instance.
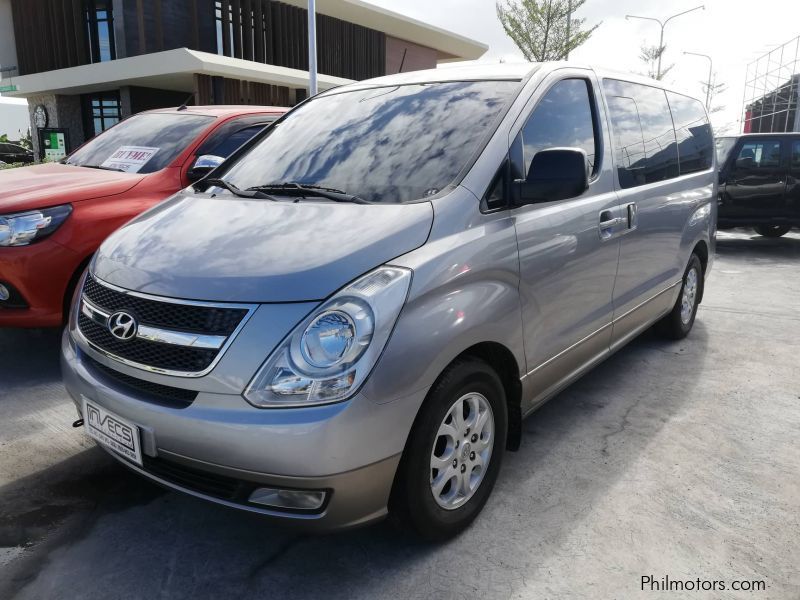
x,y
772,231
453,453
678,323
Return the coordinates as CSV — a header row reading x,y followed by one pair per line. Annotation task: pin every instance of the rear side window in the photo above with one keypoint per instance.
x,y
695,141
761,154
645,147
562,119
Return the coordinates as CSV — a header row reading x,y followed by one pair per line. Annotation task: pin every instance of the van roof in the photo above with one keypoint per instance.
x,y
501,71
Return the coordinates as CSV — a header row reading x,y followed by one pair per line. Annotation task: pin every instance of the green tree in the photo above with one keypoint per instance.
x,y
544,29
26,141
650,55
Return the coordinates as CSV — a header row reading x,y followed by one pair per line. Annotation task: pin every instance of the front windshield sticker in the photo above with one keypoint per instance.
x,y
129,158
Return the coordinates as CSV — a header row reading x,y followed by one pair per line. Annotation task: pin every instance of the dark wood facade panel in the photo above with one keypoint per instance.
x,y
219,90
52,34
49,34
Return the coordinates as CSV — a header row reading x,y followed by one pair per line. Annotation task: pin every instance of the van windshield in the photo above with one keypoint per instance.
x,y
144,143
389,144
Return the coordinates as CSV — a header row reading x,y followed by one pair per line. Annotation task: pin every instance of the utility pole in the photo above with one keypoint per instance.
x,y
312,48
663,24
710,71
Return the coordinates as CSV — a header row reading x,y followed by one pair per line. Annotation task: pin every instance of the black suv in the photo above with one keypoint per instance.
x,y
14,153
759,182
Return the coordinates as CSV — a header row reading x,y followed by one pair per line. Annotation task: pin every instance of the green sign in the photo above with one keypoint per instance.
x,y
8,88
55,146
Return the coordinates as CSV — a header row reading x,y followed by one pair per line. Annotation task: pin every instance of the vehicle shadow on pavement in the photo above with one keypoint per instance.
x,y
747,244
97,530
29,356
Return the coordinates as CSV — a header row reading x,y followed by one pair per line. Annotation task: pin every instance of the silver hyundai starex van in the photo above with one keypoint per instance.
x,y
352,315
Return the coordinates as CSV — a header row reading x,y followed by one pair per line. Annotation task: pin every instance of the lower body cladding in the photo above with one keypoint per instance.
x,y
276,462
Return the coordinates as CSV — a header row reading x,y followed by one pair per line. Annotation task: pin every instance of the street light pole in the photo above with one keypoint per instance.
x,y
312,48
710,71
663,24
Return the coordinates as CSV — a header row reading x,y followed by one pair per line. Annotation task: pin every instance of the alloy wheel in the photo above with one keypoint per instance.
x,y
462,450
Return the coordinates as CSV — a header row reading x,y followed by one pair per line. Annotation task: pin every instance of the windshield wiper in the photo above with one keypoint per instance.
x,y
99,167
302,190
250,193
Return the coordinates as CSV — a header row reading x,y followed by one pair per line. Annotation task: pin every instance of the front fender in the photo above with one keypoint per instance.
x,y
436,328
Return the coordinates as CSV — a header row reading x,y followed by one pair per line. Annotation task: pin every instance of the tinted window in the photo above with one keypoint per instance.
x,y
651,154
628,141
388,144
232,134
168,133
762,154
226,146
795,155
6,148
695,141
561,119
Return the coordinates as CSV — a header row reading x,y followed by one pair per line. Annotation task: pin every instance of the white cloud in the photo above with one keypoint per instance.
x,y
733,32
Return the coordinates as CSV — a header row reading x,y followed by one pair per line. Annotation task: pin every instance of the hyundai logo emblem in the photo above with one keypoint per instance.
x,y
122,325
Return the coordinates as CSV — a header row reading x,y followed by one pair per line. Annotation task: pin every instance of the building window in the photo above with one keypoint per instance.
x,y
101,111
100,31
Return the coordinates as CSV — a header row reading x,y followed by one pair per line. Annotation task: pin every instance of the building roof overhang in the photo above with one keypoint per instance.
x,y
167,70
448,45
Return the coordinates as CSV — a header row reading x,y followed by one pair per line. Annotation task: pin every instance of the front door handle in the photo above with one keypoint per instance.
x,y
607,223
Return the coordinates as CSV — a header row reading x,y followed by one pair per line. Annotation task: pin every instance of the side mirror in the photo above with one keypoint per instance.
x,y
746,162
554,174
203,166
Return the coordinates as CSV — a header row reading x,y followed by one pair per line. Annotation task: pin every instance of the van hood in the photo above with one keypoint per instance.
x,y
230,249
40,186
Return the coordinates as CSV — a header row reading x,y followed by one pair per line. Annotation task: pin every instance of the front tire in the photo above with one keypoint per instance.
x,y
772,231
453,453
678,323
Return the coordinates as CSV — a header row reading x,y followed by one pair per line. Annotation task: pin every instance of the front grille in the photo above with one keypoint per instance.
x,y
152,354
147,390
209,320
169,316
204,482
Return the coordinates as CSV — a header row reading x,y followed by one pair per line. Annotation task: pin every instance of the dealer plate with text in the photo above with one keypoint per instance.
x,y
112,431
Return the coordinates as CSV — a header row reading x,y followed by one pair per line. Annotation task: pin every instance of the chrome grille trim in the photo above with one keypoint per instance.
x,y
156,334
101,316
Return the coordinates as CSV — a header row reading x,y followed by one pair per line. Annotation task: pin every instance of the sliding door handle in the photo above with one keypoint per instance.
x,y
632,219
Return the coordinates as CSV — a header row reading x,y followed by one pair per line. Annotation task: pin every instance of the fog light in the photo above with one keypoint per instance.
x,y
291,499
5,294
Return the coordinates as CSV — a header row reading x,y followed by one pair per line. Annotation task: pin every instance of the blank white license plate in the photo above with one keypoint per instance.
x,y
112,431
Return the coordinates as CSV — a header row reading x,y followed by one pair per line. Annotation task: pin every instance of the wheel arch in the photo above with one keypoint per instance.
x,y
701,250
73,281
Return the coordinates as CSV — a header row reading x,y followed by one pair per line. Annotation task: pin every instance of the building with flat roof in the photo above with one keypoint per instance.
x,y
84,65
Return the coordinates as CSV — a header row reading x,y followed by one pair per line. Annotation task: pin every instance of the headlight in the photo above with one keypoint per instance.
x,y
23,228
330,354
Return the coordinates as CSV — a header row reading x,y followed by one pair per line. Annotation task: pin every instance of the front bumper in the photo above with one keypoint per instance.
x,y
40,273
351,449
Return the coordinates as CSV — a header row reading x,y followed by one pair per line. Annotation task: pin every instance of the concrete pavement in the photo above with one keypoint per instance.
x,y
675,459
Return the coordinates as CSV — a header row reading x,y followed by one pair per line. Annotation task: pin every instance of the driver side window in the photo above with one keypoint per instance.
x,y
759,155
563,118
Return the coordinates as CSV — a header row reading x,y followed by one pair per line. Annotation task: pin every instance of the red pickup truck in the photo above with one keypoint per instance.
x,y
54,216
